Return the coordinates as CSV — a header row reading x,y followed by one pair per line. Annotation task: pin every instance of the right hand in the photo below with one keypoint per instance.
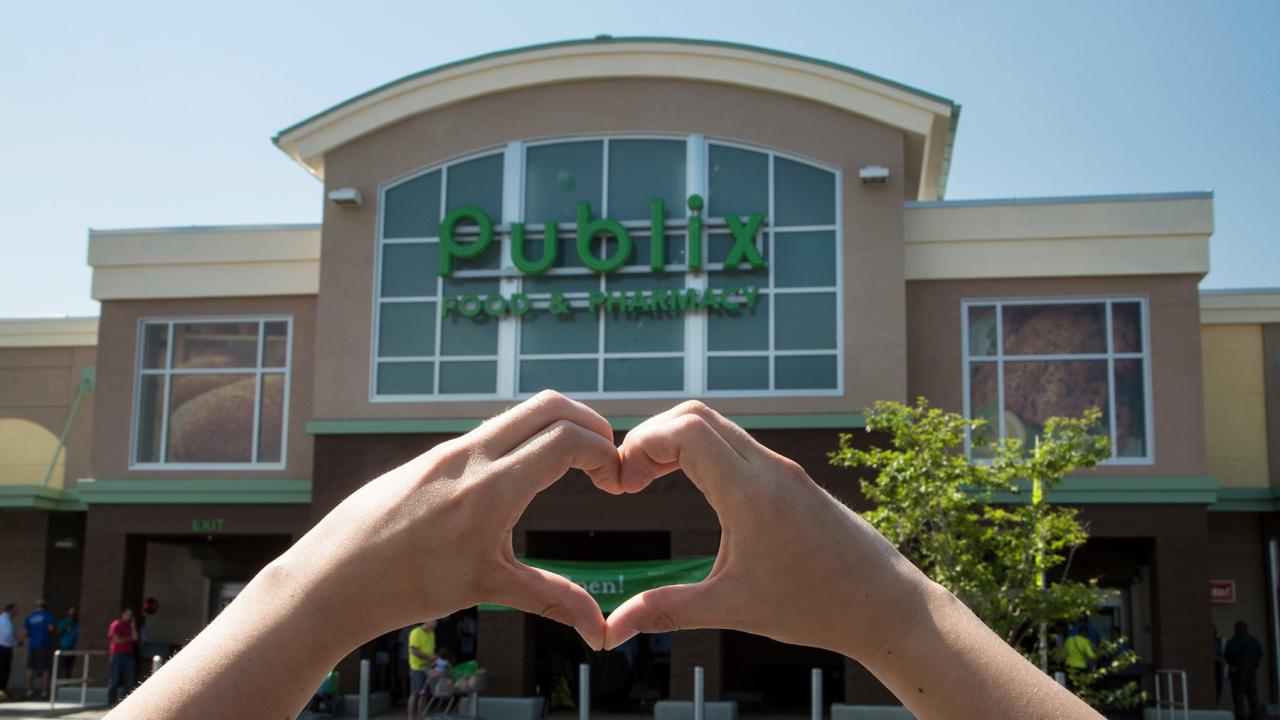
x,y
794,563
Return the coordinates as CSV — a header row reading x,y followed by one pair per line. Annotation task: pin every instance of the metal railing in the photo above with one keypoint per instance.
x,y
83,680
1166,695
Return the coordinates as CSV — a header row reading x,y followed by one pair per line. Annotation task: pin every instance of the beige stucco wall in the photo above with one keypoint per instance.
x,y
874,326
117,363
936,369
37,388
1235,414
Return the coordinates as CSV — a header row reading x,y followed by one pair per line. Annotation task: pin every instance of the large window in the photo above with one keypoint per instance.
x,y
770,327
212,393
1029,360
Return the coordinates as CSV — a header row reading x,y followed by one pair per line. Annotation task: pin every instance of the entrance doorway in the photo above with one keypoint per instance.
x,y
628,679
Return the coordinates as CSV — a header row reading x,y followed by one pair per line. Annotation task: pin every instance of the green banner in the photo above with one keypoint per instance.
x,y
611,583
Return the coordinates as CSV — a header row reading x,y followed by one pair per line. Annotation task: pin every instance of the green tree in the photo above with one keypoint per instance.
x,y
982,527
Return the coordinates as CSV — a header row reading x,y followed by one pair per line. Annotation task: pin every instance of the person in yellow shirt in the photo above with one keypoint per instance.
x,y
422,653
1078,649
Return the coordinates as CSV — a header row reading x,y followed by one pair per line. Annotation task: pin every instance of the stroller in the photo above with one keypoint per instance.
x,y
448,692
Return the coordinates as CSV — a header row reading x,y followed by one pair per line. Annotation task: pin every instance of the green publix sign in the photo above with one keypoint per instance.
x,y
743,232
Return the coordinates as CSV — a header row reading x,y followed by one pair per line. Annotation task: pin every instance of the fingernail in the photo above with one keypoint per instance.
x,y
611,643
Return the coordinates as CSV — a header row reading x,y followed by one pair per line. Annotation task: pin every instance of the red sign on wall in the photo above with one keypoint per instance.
x,y
1222,591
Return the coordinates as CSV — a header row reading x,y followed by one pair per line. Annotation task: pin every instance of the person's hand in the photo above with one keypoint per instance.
x,y
794,564
434,535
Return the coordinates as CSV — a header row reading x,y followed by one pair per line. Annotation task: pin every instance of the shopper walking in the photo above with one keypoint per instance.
x,y
122,638
1243,656
38,631
8,641
422,653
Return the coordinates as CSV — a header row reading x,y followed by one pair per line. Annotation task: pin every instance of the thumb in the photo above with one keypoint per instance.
x,y
553,596
664,609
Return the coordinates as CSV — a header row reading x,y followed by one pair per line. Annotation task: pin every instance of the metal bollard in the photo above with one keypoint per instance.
x,y
156,662
699,693
815,694
584,691
364,689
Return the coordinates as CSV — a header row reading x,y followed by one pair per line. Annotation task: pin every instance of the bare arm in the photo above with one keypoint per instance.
x,y
366,567
797,566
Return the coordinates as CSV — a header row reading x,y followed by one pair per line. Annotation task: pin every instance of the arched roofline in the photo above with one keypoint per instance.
x,y
928,120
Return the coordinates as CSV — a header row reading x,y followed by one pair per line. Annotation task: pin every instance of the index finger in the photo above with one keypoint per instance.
x,y
500,435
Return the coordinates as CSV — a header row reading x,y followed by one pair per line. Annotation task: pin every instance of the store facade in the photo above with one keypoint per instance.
x,y
635,222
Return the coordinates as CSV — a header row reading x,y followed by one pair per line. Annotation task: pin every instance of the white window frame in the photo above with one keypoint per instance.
x,y
167,372
694,352
999,359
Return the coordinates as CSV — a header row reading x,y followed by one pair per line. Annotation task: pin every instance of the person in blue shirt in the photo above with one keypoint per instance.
x,y
39,636
68,639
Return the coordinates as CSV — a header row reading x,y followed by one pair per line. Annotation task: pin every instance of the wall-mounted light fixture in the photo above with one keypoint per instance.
x,y
347,197
874,175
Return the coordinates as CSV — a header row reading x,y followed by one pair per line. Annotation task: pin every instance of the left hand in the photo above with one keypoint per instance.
x,y
434,535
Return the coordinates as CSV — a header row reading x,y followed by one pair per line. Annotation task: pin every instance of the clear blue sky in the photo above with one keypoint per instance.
x,y
132,114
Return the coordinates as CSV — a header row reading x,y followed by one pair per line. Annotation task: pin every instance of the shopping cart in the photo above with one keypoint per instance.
x,y
456,693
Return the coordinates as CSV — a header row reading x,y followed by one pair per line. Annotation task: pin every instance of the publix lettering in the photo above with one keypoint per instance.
x,y
451,249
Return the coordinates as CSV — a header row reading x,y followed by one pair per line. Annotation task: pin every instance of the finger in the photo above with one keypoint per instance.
x,y
500,435
664,609
688,441
555,597
544,458
737,438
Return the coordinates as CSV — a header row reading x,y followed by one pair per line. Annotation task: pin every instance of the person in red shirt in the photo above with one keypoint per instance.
x,y
122,636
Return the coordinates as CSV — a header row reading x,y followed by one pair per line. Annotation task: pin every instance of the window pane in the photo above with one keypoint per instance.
x,y
560,283
643,170
468,377
805,195
275,353
271,419
643,374
407,329
461,335
1037,391
211,418
1131,409
215,345
476,182
740,329
804,259
407,378
739,182
640,250
542,333
155,345
720,244
984,404
756,277
805,372
738,373
982,330
558,177
562,375
644,281
150,415
1054,329
626,332
413,208
410,270
1126,327
806,321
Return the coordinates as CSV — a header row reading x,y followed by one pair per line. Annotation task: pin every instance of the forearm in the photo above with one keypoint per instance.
x,y
263,656
945,663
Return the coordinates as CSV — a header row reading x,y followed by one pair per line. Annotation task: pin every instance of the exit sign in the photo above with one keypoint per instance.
x,y
1222,591
207,525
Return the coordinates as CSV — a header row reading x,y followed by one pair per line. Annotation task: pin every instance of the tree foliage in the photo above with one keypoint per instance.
x,y
981,527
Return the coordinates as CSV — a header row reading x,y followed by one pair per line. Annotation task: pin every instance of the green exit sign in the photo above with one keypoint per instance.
x,y
207,525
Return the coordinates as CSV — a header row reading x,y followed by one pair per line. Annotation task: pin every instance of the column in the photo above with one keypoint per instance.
x,y
691,648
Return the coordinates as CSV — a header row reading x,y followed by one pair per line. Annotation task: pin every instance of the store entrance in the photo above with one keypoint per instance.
x,y
628,679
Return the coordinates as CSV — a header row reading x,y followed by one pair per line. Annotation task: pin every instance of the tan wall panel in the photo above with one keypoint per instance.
x,y
39,385
874,330
117,347
1235,414
935,366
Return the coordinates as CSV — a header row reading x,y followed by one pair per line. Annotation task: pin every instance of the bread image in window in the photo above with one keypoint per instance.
x,y
211,418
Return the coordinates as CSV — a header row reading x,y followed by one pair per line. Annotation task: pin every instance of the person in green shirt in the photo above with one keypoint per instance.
x,y
422,653
1078,649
